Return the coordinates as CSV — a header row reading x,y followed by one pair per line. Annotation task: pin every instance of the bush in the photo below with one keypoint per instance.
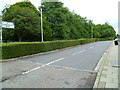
x,y
17,49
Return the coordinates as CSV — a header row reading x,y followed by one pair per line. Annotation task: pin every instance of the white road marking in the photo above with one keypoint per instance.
x,y
42,66
78,52
91,47
72,68
54,61
97,45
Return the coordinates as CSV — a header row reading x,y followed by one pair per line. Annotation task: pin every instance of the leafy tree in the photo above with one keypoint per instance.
x,y
58,23
27,23
104,31
64,24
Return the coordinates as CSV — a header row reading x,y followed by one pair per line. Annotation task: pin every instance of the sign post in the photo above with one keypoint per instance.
x,y
4,25
7,24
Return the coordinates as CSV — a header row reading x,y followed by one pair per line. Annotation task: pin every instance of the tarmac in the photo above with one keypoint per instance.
x,y
107,77
108,69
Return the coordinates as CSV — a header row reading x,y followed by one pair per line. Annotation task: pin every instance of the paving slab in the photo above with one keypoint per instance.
x,y
109,71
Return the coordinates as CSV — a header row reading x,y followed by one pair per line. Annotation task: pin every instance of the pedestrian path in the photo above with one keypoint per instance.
x,y
108,72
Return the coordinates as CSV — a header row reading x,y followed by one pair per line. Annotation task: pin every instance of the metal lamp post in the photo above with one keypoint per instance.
x,y
42,34
92,32
0,29
41,26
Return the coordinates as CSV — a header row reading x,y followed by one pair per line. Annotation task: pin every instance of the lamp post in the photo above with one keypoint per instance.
x,y
42,35
0,29
92,32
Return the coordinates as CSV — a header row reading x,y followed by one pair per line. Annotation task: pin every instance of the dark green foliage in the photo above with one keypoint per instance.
x,y
58,24
27,23
104,31
68,25
17,49
10,50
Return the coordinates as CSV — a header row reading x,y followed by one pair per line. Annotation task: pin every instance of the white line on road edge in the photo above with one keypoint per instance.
x,y
42,66
78,52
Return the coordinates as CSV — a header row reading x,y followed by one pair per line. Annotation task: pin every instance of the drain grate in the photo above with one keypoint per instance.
x,y
116,64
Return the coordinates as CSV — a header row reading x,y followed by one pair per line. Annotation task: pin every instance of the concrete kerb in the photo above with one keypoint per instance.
x,y
100,65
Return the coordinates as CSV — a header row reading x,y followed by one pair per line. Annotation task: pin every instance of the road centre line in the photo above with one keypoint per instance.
x,y
78,52
97,45
91,47
54,61
42,66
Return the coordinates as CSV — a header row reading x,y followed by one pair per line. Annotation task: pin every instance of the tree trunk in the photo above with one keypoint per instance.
x,y
20,38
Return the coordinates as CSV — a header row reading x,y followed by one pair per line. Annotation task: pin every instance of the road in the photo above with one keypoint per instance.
x,y
83,57
72,67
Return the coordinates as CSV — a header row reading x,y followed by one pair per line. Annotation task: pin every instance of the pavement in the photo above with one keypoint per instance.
x,y
108,69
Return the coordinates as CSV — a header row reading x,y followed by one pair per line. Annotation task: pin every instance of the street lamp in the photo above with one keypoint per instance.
x,y
0,29
42,37
92,32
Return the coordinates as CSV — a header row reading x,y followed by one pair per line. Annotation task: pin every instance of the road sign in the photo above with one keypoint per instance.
x,y
7,24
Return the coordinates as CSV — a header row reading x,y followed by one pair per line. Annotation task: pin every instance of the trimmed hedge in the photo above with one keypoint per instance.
x,y
17,49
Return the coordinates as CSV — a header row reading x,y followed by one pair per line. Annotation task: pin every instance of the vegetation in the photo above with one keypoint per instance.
x,y
58,23
27,23
16,49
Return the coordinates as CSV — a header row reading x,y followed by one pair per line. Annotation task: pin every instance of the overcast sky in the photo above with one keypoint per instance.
x,y
100,11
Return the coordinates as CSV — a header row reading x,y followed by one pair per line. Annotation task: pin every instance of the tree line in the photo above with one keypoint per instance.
x,y
58,23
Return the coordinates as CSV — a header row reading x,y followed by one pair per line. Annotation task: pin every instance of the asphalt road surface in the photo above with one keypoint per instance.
x,y
83,57
69,68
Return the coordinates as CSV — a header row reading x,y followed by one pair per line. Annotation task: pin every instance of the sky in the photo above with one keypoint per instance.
x,y
100,11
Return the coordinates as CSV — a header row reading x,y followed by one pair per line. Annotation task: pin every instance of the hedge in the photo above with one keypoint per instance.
x,y
17,49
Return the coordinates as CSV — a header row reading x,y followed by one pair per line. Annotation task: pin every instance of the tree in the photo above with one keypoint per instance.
x,y
104,31
27,23
65,24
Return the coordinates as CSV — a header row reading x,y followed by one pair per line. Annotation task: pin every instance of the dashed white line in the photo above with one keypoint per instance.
x,y
54,61
78,52
42,66
97,45
91,47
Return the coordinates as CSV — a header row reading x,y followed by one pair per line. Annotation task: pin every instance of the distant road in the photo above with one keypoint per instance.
x,y
83,57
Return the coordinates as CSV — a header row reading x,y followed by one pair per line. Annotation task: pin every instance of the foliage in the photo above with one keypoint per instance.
x,y
104,31
68,25
58,23
64,24
17,49
27,23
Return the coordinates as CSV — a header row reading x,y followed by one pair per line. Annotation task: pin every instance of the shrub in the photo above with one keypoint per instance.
x,y
17,49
